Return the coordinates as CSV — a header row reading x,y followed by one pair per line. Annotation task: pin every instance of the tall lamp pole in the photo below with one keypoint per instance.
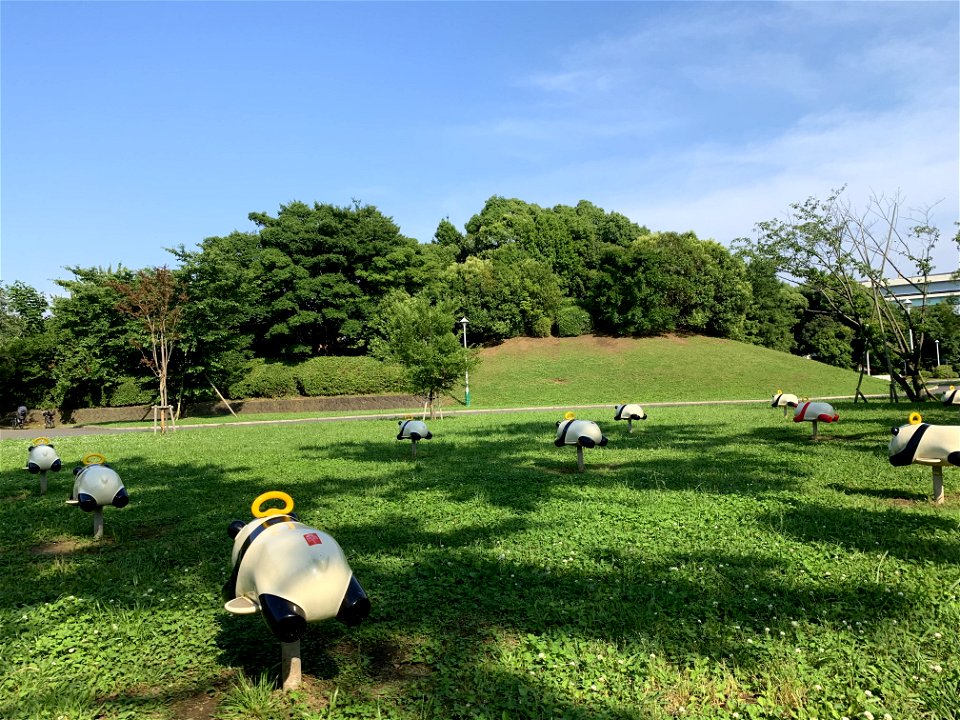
x,y
937,344
466,373
908,303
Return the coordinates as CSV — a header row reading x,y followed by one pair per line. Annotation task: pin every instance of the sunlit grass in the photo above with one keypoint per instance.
x,y
714,562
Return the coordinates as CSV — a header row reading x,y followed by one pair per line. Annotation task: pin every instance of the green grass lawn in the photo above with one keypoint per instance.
x,y
715,563
587,370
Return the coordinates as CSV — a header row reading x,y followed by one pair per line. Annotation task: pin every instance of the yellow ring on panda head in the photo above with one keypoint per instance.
x,y
41,441
93,459
915,418
779,391
570,416
952,387
272,495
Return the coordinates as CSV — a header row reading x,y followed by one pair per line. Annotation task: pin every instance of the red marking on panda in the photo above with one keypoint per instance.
x,y
312,539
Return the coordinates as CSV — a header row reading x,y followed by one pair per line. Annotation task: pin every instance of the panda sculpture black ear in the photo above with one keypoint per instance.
x,y
895,430
234,528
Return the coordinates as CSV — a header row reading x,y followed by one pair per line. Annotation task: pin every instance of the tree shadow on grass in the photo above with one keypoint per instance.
x,y
916,537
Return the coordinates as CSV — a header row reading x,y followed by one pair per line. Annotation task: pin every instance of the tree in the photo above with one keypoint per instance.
x,y
670,281
93,354
847,258
225,310
774,310
322,271
419,335
26,345
155,301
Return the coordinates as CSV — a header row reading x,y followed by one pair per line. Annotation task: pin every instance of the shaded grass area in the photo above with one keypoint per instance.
x,y
715,561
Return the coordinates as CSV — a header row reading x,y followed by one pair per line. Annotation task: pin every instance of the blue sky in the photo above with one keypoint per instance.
x,y
130,127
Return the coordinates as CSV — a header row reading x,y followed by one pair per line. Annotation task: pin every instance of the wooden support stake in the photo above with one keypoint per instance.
x,y
98,523
43,482
290,665
579,458
938,484
629,425
814,430
414,449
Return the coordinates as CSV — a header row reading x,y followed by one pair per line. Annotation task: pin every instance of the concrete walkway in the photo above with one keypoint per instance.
x,y
77,430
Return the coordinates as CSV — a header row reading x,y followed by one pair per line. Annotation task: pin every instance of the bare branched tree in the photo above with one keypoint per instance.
x,y
860,264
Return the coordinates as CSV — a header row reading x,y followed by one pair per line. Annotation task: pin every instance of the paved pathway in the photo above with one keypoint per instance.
x,y
71,430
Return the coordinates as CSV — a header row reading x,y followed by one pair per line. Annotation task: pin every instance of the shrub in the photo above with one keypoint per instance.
x,y
332,375
132,391
541,326
943,372
573,321
268,380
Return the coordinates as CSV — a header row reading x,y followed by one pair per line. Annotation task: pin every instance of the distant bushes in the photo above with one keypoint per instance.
x,y
573,321
943,372
330,375
319,377
131,391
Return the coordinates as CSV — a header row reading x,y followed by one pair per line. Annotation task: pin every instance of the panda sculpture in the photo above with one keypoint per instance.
x,y
291,573
41,457
629,412
924,444
415,430
582,433
96,485
815,412
951,396
784,400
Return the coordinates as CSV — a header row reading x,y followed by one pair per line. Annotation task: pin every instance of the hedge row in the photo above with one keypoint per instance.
x,y
320,377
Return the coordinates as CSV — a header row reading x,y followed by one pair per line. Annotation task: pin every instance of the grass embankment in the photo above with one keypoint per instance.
x,y
715,563
590,370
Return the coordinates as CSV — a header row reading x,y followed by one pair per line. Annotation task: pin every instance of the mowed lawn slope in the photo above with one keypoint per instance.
x,y
592,370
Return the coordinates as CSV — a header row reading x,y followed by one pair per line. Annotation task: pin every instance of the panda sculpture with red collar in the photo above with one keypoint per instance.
x,y
291,573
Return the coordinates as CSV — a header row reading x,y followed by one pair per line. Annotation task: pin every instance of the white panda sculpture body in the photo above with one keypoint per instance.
x,y
97,485
292,574
629,412
815,412
413,430
43,457
925,444
584,433
784,400
951,396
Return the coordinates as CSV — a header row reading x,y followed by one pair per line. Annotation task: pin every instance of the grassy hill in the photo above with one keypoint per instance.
x,y
591,370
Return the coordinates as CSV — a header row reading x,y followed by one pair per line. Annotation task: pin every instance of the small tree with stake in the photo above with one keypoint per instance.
x,y
419,336
153,298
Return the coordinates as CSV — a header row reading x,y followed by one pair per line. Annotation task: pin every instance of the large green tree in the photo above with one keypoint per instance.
x,y
670,281
226,309
322,270
93,352
26,346
774,310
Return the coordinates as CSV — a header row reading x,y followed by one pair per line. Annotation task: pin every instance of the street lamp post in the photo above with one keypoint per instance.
x,y
937,345
466,373
907,303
